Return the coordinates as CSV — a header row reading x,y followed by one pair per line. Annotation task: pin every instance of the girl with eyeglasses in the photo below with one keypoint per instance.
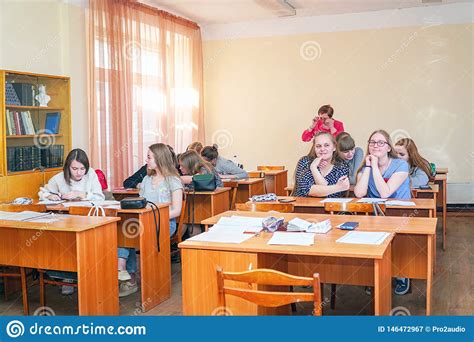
x,y
382,175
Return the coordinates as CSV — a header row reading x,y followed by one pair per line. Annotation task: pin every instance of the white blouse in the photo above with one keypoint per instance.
x,y
89,184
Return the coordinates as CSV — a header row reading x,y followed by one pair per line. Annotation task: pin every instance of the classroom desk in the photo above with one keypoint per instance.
x,y
86,245
336,263
441,180
136,229
121,193
276,181
247,188
206,204
424,207
413,247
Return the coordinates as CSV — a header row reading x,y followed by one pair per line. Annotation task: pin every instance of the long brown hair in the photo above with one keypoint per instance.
x,y
78,155
164,161
391,153
414,158
344,143
193,162
195,146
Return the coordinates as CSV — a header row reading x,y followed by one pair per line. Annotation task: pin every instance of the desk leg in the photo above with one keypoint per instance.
x,y
155,266
97,271
383,283
429,275
444,214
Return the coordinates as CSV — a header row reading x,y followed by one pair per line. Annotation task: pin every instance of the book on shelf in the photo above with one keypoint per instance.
x,y
11,98
23,158
25,93
20,123
51,124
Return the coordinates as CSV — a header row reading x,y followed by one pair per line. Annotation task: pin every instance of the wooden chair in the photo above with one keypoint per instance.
x,y
269,298
43,281
256,174
270,168
234,185
352,208
178,235
266,206
289,190
8,272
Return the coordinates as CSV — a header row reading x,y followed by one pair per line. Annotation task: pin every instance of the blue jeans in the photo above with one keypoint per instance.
x,y
131,254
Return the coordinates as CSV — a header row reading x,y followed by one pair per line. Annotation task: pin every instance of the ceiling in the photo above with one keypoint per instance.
x,y
206,12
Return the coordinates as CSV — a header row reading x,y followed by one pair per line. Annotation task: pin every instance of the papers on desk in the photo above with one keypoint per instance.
x,y
221,235
299,225
402,203
364,238
49,202
293,239
371,200
22,215
107,204
337,200
244,223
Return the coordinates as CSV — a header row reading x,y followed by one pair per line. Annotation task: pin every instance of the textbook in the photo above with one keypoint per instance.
x,y
51,124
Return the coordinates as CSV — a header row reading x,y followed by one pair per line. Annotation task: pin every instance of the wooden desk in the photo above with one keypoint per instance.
x,y
424,207
137,230
86,245
121,193
336,263
207,204
413,248
442,181
442,170
276,181
249,187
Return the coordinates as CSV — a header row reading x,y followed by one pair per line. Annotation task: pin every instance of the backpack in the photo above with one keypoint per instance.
x,y
102,179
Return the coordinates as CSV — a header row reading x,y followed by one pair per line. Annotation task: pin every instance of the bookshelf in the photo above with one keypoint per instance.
x,y
34,139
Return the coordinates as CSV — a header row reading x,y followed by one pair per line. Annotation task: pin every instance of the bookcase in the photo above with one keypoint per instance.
x,y
35,137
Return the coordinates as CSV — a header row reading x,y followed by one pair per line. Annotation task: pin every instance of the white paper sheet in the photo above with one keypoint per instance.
x,y
293,239
402,203
371,200
48,202
224,237
104,204
364,238
337,200
22,215
231,229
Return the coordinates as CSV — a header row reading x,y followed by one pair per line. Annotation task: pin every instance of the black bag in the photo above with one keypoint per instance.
x,y
133,203
205,182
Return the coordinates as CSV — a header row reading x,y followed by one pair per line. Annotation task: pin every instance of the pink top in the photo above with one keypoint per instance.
x,y
309,134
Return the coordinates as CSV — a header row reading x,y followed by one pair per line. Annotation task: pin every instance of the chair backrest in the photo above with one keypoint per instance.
x,y
84,211
41,208
269,298
234,185
351,207
256,174
270,168
178,236
266,206
289,190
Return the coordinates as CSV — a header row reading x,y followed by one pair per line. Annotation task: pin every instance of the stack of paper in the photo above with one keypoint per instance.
x,y
299,225
108,204
221,235
337,200
22,216
49,202
404,203
364,238
371,200
294,239
247,224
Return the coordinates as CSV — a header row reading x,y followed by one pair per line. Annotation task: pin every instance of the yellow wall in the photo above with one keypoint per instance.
x,y
48,37
260,93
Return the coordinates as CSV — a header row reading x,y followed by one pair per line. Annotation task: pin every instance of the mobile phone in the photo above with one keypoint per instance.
x,y
349,225
425,187
286,200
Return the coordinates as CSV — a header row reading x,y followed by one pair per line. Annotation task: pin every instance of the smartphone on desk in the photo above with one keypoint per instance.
x,y
348,225
286,200
425,187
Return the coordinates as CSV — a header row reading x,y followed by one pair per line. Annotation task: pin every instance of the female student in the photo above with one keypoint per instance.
x,y
195,146
224,167
384,176
348,153
419,167
161,184
77,181
134,180
191,163
323,122
318,174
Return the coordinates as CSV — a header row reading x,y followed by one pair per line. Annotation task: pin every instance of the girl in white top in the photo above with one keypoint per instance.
x,y
76,181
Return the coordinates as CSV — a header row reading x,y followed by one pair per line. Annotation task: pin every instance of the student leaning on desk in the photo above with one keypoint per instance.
x,y
77,181
420,168
225,168
383,175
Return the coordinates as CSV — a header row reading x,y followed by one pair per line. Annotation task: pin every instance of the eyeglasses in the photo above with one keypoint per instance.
x,y
379,143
